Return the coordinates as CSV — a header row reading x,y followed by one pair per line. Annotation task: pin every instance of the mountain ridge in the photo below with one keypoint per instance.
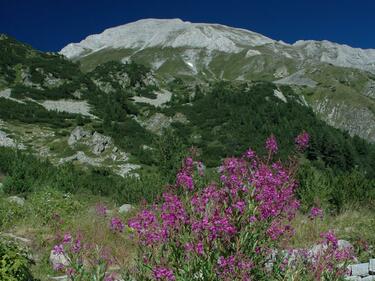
x,y
176,33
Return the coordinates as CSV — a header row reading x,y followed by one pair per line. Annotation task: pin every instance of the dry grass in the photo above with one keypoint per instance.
x,y
356,226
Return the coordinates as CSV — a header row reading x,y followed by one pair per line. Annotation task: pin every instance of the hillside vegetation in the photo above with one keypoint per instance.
x,y
119,133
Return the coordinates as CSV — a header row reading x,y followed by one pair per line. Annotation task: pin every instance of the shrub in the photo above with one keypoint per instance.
x,y
84,261
47,205
14,263
10,213
233,229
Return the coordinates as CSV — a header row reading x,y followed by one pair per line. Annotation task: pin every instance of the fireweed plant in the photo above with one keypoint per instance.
x,y
83,261
232,229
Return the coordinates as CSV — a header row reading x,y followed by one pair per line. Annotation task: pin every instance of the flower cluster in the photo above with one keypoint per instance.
x,y
302,141
316,213
101,209
117,225
236,219
164,274
330,261
82,261
271,145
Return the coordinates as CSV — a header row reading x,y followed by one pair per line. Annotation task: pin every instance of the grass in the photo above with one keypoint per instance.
x,y
42,228
77,215
356,226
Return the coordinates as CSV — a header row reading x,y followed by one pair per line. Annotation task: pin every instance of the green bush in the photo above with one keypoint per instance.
x,y
14,263
49,204
10,213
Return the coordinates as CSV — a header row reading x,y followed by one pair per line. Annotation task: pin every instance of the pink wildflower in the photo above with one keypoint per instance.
x,y
302,141
271,144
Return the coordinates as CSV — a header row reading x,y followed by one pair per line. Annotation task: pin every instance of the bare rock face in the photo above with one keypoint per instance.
x,y
8,142
82,158
100,143
77,134
358,121
369,90
157,123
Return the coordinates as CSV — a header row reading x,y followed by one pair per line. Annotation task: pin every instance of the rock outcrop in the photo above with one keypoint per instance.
x,y
100,143
77,134
8,142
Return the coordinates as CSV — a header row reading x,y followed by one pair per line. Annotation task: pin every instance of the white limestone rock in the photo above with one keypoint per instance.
x,y
361,269
126,208
16,200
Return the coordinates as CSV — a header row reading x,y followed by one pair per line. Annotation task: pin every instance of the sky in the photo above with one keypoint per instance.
x,y
50,25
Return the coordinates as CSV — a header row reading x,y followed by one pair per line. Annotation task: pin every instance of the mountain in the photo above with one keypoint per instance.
x,y
337,81
113,109
175,33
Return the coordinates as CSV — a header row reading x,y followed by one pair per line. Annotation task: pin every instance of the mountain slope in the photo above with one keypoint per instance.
x,y
135,117
337,81
176,33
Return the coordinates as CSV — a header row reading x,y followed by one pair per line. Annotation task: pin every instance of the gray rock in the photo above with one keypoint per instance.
x,y
17,200
372,266
60,278
56,259
157,123
127,169
369,90
8,142
77,134
181,118
82,158
100,143
356,120
361,269
353,278
19,239
343,244
125,208
316,249
369,278
297,78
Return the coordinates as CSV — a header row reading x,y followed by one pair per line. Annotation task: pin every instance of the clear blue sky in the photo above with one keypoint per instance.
x,y
50,25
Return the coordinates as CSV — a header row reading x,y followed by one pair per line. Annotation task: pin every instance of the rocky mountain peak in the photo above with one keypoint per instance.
x,y
168,33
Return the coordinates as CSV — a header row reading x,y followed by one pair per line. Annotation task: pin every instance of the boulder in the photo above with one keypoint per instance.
x,y
361,269
8,142
372,266
17,200
77,134
157,122
353,278
21,240
82,158
58,259
60,278
100,143
125,208
343,244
